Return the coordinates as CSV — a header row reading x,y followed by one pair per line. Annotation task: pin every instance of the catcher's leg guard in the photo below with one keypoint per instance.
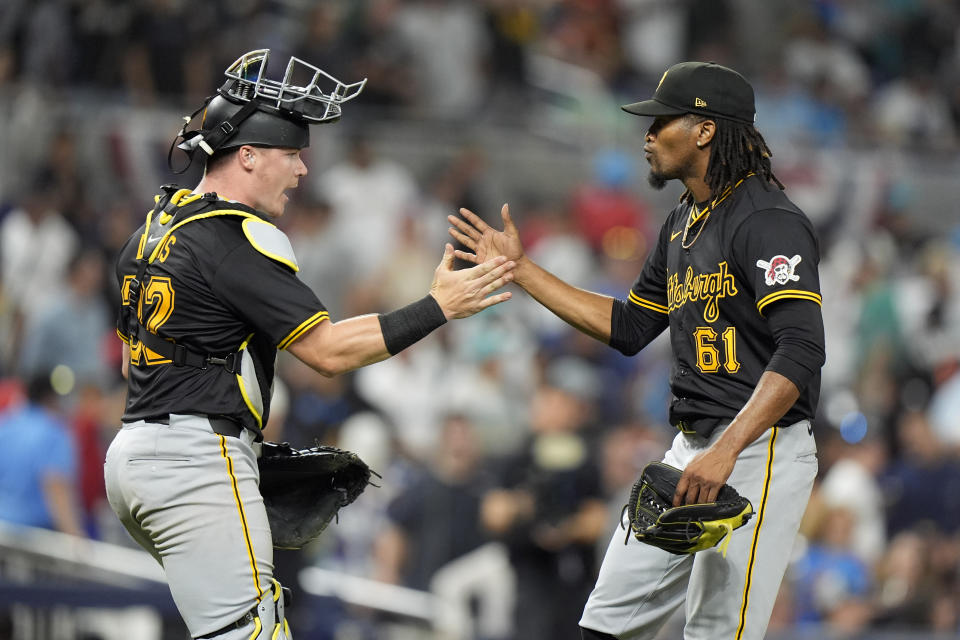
x,y
266,621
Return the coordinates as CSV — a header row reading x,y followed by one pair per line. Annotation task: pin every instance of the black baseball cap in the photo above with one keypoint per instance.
x,y
705,88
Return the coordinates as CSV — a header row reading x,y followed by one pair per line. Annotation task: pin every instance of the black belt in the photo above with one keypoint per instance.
x,y
220,424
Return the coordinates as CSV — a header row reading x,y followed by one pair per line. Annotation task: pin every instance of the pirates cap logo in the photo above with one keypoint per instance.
x,y
780,269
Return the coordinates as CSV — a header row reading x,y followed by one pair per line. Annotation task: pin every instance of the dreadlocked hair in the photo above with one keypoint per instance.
x,y
737,149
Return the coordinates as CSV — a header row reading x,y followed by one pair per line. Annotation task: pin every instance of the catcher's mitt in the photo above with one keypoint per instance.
x,y
685,529
303,489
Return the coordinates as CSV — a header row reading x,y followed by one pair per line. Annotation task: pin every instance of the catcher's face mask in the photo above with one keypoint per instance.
x,y
251,108
247,80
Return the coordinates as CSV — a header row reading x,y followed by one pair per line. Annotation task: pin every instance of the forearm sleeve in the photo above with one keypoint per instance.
x,y
403,327
797,327
633,327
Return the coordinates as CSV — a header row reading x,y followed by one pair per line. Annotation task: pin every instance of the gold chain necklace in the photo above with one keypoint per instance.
x,y
701,216
697,218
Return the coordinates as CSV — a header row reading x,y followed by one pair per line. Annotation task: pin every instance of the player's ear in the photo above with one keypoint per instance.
x,y
247,156
705,131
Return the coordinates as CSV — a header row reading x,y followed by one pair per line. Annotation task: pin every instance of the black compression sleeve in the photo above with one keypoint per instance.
x,y
797,327
403,327
632,328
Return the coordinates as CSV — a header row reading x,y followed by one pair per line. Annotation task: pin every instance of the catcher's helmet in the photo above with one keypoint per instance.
x,y
252,109
259,128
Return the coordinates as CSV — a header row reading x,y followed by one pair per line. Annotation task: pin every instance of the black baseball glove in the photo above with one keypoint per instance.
x,y
685,529
303,489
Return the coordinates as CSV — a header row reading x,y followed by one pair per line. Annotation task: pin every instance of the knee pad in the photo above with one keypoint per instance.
x,y
266,621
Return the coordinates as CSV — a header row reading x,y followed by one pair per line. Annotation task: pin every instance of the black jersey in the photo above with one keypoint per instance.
x,y
221,280
712,273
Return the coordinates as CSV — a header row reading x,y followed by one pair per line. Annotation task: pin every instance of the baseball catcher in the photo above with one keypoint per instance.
x,y
209,296
304,489
685,529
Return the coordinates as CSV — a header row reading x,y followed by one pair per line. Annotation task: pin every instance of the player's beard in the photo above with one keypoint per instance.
x,y
657,180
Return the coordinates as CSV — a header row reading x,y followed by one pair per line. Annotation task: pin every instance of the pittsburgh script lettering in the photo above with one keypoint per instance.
x,y
708,287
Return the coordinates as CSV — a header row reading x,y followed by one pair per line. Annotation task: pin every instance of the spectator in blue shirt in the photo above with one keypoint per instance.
x,y
38,466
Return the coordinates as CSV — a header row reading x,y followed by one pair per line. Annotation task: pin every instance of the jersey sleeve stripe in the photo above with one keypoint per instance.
x,y
647,304
789,293
306,325
124,338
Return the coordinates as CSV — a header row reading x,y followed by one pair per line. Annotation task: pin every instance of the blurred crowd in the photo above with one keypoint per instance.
x,y
508,442
863,71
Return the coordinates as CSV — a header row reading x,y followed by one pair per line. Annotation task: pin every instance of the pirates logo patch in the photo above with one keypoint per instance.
x,y
780,269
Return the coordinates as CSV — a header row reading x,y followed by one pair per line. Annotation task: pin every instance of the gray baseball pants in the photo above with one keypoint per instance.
x,y
731,597
191,498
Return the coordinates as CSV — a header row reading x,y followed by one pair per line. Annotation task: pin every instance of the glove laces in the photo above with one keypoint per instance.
x,y
726,538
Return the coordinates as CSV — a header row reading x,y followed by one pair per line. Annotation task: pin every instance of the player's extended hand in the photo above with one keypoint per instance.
x,y
485,241
704,476
465,292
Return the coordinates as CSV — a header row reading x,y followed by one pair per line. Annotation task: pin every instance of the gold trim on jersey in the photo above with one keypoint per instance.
x,y
305,326
696,214
199,216
788,293
646,304
761,511
184,197
243,516
243,388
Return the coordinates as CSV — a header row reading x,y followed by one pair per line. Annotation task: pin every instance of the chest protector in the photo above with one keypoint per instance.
x,y
174,208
